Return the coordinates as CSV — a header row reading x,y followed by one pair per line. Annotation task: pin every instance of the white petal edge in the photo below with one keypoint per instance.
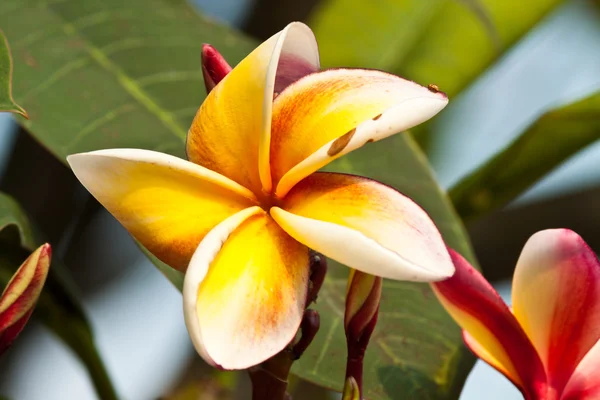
x,y
402,116
83,166
355,250
199,264
293,39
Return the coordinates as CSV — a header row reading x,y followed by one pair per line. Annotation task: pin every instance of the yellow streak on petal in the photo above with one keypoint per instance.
x,y
251,301
231,131
166,203
484,343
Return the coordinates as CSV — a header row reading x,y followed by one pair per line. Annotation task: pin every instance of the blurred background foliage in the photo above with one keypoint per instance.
x,y
126,73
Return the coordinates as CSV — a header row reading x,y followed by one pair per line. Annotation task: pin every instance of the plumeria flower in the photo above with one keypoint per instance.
x,y
548,345
20,296
240,216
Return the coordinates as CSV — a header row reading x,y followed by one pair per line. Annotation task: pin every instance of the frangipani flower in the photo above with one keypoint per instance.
x,y
20,296
240,216
548,346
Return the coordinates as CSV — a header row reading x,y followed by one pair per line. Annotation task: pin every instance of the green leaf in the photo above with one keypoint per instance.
x,y
553,138
58,306
6,101
97,74
127,74
446,42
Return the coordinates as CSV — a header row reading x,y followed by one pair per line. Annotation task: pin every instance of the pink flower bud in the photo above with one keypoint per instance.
x,y
214,67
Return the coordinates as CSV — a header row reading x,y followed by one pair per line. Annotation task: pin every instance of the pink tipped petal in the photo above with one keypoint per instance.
x,y
214,67
585,382
556,298
494,333
21,294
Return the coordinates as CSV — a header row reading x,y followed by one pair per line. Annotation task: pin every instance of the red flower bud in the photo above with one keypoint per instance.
x,y
21,294
214,67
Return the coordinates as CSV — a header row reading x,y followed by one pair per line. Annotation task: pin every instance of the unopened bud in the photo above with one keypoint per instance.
x,y
214,67
362,307
362,302
21,294
351,390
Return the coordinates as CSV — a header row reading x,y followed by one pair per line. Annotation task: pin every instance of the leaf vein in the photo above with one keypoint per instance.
x,y
130,86
332,329
98,122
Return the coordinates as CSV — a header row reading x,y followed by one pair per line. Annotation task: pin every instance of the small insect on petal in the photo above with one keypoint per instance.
x,y
21,294
433,88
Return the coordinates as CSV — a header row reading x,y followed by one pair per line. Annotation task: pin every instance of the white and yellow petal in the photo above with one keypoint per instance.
x,y
245,291
556,298
166,203
365,225
328,114
231,131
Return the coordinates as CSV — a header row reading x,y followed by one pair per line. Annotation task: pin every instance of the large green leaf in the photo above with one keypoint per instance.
x,y
58,306
96,74
447,42
114,74
553,138
6,101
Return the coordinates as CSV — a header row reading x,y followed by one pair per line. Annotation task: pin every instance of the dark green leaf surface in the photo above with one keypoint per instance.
x,y
552,139
446,42
58,306
114,74
6,101
97,74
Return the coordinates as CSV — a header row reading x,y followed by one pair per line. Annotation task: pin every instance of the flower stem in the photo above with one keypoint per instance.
x,y
270,379
356,353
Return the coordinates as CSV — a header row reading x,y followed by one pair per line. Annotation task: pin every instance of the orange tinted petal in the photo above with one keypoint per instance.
x,y
166,203
231,131
328,114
